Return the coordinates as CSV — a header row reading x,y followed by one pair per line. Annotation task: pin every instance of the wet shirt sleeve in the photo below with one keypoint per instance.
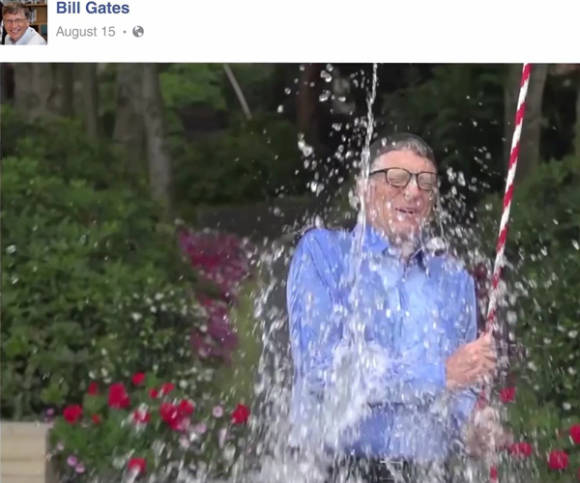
x,y
314,313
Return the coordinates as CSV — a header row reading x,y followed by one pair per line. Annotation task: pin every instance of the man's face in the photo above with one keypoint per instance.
x,y
15,24
399,212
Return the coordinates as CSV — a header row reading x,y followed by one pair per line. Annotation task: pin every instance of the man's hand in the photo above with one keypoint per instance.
x,y
471,362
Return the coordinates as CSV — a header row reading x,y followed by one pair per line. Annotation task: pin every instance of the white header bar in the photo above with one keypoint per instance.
x,y
306,31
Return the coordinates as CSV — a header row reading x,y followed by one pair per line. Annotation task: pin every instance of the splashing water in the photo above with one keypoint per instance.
x,y
269,458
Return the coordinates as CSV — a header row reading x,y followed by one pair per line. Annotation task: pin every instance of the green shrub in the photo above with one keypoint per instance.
x,y
250,161
543,277
90,289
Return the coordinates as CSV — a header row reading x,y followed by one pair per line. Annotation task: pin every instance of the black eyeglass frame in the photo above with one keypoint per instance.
x,y
411,176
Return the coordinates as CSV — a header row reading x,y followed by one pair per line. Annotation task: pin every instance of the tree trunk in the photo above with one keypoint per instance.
x,y
577,123
529,154
90,98
157,156
66,77
34,89
307,102
128,132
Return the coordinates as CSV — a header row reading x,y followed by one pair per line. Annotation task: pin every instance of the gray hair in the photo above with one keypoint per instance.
x,y
385,143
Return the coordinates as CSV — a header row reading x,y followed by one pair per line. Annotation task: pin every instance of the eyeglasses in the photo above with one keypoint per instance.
x,y
400,178
16,21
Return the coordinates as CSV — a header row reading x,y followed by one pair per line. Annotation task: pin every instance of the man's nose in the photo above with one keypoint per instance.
x,y
412,189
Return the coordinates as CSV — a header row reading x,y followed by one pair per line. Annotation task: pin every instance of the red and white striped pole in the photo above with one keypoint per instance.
x,y
490,324
507,199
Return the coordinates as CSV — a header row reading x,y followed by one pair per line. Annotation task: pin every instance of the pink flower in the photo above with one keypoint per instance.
x,y
170,414
521,449
575,433
72,460
507,394
80,468
153,393
118,397
241,414
167,388
72,413
138,378
96,418
217,412
558,460
137,465
493,473
185,407
93,389
141,416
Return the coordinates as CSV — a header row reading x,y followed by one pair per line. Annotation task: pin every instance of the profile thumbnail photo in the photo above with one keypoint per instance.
x,y
23,23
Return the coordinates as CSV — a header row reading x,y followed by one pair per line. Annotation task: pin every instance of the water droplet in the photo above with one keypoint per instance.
x,y
326,76
575,244
337,126
287,91
280,109
324,96
306,149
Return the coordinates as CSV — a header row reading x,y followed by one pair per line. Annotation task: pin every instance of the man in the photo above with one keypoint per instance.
x,y
417,308
16,20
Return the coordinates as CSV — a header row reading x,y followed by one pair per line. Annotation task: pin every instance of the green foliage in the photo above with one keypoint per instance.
x,y
545,238
250,161
90,288
66,151
544,280
237,380
183,84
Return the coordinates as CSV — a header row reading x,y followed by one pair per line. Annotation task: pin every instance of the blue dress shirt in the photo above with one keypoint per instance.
x,y
417,313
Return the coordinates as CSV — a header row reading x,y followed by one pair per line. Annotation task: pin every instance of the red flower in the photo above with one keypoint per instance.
x,y
72,413
185,407
137,465
141,416
507,394
521,449
93,389
241,414
167,388
118,397
153,393
493,473
575,433
96,418
138,378
558,460
170,414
